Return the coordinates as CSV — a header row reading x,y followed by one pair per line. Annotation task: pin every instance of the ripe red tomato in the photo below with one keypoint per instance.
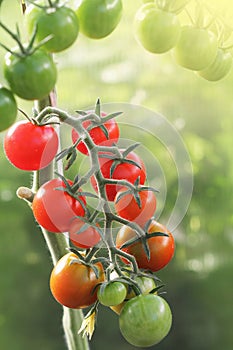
x,y
127,207
123,171
145,320
87,238
161,247
98,135
29,146
73,283
55,209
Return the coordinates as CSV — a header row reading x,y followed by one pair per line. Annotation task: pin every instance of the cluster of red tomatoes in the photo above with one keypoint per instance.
x,y
198,46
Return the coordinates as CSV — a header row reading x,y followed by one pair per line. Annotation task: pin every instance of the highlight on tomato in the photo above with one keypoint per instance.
x,y
105,134
54,206
135,206
8,108
84,235
73,283
111,293
61,23
29,146
122,169
99,18
32,75
161,247
145,320
156,30
219,68
196,48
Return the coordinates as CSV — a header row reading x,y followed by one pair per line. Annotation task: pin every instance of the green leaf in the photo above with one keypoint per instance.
x,y
97,108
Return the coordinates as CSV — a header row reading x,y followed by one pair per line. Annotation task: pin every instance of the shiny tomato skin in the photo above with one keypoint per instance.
x,y
85,239
218,69
30,77
161,247
55,209
145,320
29,146
156,30
112,293
72,283
99,18
123,171
61,22
196,48
8,108
127,207
98,136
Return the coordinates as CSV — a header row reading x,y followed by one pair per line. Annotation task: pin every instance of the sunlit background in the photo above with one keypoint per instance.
x,y
199,280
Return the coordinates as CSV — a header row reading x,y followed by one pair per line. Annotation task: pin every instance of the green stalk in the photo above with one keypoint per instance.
x,y
57,245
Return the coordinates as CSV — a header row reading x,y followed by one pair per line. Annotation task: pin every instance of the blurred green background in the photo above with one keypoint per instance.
x,y
199,280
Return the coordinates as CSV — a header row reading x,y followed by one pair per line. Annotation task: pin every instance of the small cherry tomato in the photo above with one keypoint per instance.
x,y
8,108
122,171
161,247
60,22
99,18
112,293
31,76
97,134
127,207
83,238
145,320
29,146
196,48
54,209
73,283
219,68
157,30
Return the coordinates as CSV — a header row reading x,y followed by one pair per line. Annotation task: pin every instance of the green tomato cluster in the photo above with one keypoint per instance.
x,y
194,47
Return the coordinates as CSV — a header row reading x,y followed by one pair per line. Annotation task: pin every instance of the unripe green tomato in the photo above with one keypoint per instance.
x,y
61,23
112,293
158,31
196,48
98,18
219,68
8,108
145,320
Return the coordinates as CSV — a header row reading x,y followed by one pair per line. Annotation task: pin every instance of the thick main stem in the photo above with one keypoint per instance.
x,y
57,245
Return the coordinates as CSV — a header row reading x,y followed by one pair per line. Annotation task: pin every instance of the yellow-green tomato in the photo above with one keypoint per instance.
x,y
8,108
158,31
145,320
219,68
98,18
112,293
196,48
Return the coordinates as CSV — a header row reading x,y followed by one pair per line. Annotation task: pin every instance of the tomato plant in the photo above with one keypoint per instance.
x,y
161,247
83,235
29,146
59,22
111,293
157,30
219,68
123,170
8,108
138,206
195,40
31,76
99,18
54,207
105,134
145,320
73,283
